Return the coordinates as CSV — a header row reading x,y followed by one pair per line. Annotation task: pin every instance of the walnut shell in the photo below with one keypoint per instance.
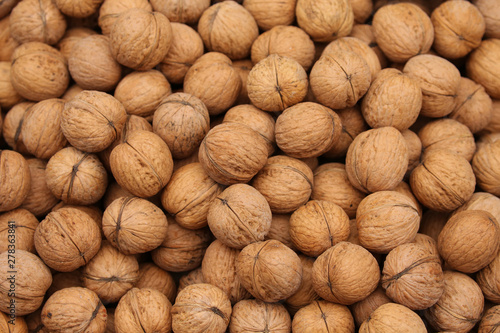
x,y
317,226
219,269
232,153
134,225
448,134
258,120
364,32
491,12
8,95
229,28
414,150
325,21
386,219
269,14
34,322
31,280
382,152
392,318
76,177
153,277
38,71
74,309
402,30
322,316
185,49
432,223
37,21
454,39
92,65
72,92
488,280
20,223
111,9
243,67
345,273
269,270
443,181
143,309
240,215
306,293
307,130
225,82
15,180
482,201
285,182
64,280
193,277
92,120
362,310
255,315
460,307
486,167
490,319
44,138
280,230
201,308
71,37
469,241
110,273
412,276
142,92
7,42
393,99
128,162
183,249
12,125
339,79
284,40
184,11
13,324
182,121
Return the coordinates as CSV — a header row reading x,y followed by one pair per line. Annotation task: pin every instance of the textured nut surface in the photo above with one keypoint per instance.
x,y
79,8
306,293
490,11
15,180
362,310
71,37
12,126
269,14
153,277
111,9
24,223
321,316
482,201
184,11
488,280
486,167
8,95
489,322
392,318
6,40
255,315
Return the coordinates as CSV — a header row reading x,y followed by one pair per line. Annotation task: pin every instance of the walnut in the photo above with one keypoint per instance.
x,y
32,279
325,21
73,309
92,120
76,177
38,71
34,322
414,150
12,125
229,28
153,277
363,309
482,201
110,273
8,95
491,13
135,38
393,99
454,39
185,49
79,8
13,325
306,293
362,10
489,280
258,120
37,21
486,167
443,181
490,319
345,274
134,225
42,138
439,80
469,240
320,316
92,65
94,212
128,160
201,308
15,180
339,79
182,121
285,182
62,280
402,30
382,152
269,14
280,230
448,134
432,223
233,153
111,9
24,224
183,11
219,269
7,42
392,318
317,226
225,82
240,215
193,277
460,307
143,309
286,41
269,270
243,67
364,32
255,315
183,249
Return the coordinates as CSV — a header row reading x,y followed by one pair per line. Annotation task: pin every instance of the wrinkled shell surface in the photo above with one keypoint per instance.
x,y
362,310
78,8
24,223
255,315
489,322
184,11
8,95
491,14
305,294
153,277
12,126
487,168
488,280
322,316
393,318
15,180
110,10
269,14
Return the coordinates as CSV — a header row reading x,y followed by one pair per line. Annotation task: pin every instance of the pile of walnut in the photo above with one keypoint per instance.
x,y
249,166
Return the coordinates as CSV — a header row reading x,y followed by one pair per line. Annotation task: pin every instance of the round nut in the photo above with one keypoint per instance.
x,y
486,167
270,14
254,314
392,318
15,180
111,9
183,11
24,224
321,316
